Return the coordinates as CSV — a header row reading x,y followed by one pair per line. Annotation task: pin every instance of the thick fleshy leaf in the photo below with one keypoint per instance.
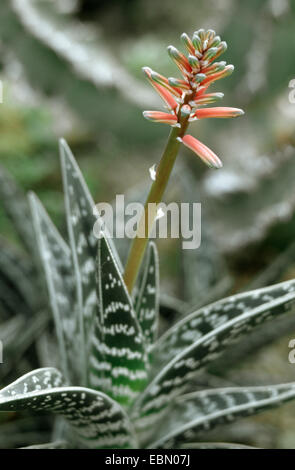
x,y
56,260
201,411
117,336
147,305
97,420
205,320
221,326
80,221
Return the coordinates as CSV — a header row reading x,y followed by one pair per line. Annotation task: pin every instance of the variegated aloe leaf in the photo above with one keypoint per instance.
x,y
174,377
201,411
80,221
147,305
117,336
98,421
56,259
205,320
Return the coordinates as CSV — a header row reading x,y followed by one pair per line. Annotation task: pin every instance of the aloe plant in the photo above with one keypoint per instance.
x,y
120,385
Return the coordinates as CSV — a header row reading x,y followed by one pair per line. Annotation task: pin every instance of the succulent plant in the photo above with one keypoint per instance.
x,y
185,99
119,384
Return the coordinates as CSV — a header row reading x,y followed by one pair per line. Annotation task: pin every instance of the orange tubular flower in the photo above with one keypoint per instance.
x,y
159,116
186,97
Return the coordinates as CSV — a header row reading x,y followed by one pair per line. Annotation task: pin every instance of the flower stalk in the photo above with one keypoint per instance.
x,y
184,99
155,196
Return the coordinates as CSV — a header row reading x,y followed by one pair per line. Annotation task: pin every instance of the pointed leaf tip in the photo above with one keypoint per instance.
x,y
158,116
221,112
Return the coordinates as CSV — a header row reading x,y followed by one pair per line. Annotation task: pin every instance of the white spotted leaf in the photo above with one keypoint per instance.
x,y
147,304
79,207
97,420
201,411
56,261
205,320
174,377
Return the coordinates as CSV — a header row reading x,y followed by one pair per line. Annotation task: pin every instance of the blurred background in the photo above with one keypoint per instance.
x,y
72,69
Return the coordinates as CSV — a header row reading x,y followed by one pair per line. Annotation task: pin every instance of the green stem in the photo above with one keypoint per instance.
x,y
158,187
